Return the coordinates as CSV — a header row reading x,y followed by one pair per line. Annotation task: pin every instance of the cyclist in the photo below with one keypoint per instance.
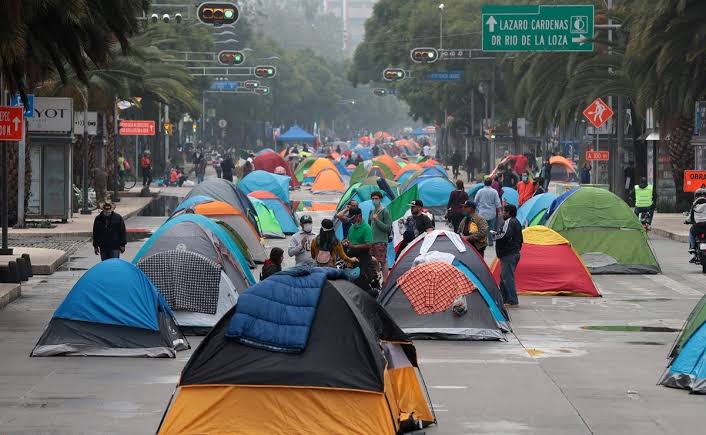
x,y
644,196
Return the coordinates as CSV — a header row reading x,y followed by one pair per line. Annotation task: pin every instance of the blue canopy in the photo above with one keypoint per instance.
x,y
511,196
114,292
296,134
533,207
206,223
263,180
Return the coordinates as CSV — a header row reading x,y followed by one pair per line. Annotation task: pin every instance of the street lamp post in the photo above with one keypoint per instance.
x,y
116,132
441,26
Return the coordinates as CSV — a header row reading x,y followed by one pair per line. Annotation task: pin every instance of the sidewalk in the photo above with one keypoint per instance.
x,y
82,225
670,226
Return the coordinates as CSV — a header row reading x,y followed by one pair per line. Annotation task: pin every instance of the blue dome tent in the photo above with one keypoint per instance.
x,y
113,310
263,180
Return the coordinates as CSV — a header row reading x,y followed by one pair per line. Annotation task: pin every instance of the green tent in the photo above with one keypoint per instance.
x,y
303,167
358,174
362,190
385,170
605,231
266,220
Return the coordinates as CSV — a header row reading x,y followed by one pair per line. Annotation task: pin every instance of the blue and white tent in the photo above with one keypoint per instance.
x,y
113,310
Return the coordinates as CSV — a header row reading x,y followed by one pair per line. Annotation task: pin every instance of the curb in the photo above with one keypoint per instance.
x,y
8,293
670,235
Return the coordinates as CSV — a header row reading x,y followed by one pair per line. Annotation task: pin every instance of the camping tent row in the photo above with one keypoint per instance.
x,y
346,366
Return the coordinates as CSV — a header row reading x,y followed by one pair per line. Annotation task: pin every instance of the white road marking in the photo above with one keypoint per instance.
x,y
674,285
474,361
448,387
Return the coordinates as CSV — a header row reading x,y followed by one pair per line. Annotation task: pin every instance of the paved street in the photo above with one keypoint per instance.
x,y
550,377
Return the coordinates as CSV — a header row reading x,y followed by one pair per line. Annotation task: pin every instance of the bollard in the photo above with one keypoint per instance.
x,y
29,265
22,268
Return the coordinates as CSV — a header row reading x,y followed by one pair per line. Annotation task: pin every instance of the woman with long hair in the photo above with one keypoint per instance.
x,y
326,249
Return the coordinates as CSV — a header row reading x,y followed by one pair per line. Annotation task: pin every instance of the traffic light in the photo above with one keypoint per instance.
x,y
263,90
169,128
265,72
424,55
394,74
251,84
194,127
218,13
230,57
380,92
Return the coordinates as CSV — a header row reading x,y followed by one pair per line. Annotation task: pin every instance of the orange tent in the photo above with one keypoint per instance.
x,y
382,135
563,161
390,163
319,165
409,167
328,181
364,140
429,163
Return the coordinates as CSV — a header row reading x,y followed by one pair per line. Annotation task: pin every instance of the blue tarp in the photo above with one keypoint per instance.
x,y
114,292
283,214
434,191
194,200
296,134
277,313
263,180
533,207
208,225
511,196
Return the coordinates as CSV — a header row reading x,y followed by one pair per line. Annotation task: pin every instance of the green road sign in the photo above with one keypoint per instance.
x,y
538,28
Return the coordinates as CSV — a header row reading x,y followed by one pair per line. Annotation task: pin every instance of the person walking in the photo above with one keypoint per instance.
x,y
300,243
273,264
381,223
455,163
525,189
454,208
489,206
469,167
326,249
508,246
227,167
146,165
109,234
200,169
473,228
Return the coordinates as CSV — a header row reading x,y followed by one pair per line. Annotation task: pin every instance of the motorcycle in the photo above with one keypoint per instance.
x,y
700,248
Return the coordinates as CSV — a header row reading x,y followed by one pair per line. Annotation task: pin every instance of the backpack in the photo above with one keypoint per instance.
x,y
324,258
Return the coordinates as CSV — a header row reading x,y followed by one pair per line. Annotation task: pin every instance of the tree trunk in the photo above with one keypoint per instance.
x,y
681,155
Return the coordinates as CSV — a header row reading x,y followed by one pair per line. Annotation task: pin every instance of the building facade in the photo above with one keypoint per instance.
x,y
353,14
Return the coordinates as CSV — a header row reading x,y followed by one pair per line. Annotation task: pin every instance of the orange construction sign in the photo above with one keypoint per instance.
x,y
598,113
694,180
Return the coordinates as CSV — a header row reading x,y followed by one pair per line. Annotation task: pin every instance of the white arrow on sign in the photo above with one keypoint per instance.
x,y
16,121
492,22
579,40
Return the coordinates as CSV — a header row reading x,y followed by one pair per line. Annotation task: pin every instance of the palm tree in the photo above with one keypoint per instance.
x,y
43,36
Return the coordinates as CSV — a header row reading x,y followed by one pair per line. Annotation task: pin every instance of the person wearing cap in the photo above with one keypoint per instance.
x,y
109,234
381,224
473,228
422,221
300,243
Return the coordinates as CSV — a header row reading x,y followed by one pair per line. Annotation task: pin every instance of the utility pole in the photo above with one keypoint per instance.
x,y
166,137
116,132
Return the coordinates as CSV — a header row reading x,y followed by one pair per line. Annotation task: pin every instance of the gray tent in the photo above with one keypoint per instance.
x,y
223,190
486,319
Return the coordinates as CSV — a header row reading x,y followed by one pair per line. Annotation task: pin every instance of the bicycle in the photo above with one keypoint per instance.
x,y
78,197
128,180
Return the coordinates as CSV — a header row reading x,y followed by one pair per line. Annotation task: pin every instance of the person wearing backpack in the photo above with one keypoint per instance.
x,y
326,249
381,224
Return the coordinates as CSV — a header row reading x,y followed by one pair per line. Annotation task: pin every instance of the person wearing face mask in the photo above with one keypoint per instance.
x,y
109,234
525,189
381,224
300,243
473,228
358,243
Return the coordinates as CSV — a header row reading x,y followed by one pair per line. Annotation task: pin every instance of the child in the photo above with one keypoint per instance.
x,y
273,264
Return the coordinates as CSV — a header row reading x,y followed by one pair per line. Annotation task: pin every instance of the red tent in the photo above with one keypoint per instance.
x,y
271,160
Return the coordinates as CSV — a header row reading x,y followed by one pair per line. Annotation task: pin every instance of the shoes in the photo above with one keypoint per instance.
x,y
694,260
515,305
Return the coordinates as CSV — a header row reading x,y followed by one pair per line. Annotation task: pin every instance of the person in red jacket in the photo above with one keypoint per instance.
x,y
525,189
146,165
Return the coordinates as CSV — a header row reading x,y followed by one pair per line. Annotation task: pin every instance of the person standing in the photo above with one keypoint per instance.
x,y
146,165
455,163
473,228
525,189
217,165
455,205
381,224
123,165
200,169
109,234
489,206
585,175
510,179
344,216
358,244
508,246
227,168
248,166
469,167
426,150
326,249
300,243
547,171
